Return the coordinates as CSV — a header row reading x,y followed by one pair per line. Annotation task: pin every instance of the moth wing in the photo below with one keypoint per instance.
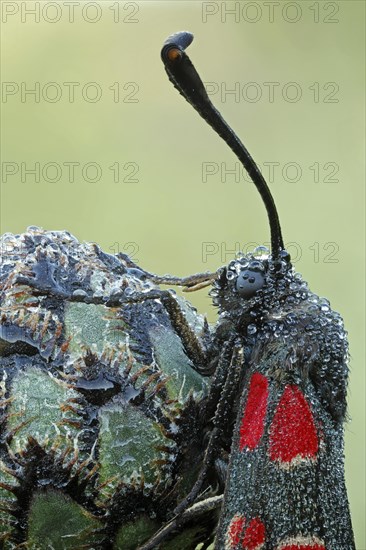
x,y
285,487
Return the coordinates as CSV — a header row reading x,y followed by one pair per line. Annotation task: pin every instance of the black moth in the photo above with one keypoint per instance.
x,y
279,357
272,474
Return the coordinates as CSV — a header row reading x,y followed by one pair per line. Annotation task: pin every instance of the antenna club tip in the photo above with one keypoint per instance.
x,y
181,39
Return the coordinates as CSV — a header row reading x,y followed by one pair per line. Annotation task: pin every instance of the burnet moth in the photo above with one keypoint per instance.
x,y
279,356
267,440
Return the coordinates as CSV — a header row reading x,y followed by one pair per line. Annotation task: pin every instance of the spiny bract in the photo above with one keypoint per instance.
x,y
98,405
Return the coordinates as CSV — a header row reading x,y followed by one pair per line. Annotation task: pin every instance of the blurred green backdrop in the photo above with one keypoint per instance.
x,y
120,159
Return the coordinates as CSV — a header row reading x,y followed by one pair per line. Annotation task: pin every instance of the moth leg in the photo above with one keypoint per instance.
x,y
190,283
191,513
230,369
195,350
220,370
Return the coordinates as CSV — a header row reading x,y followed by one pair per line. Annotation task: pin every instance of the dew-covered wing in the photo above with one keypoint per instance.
x,y
285,488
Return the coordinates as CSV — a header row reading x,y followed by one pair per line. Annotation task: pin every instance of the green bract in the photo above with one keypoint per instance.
x,y
99,405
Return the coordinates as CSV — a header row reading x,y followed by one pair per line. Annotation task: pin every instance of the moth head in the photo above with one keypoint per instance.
x,y
249,276
244,281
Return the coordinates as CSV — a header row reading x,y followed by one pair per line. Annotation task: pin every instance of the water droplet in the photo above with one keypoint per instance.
x,y
33,228
257,265
261,252
251,329
79,292
129,292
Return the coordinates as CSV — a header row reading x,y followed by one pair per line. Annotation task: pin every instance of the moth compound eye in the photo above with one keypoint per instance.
x,y
248,282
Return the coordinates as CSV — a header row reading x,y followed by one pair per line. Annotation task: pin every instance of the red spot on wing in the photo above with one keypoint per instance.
x,y
250,538
235,531
252,423
255,535
293,433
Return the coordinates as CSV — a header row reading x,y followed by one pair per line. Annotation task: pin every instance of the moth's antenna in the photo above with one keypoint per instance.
x,y
185,78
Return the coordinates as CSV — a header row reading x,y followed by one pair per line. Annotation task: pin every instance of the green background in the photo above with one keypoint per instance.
x,y
166,216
